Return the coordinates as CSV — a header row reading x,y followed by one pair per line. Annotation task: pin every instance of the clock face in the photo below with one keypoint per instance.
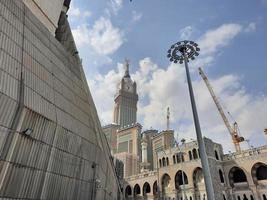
x,y
128,88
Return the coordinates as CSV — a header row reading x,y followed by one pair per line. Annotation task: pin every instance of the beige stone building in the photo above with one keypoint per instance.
x,y
156,167
178,170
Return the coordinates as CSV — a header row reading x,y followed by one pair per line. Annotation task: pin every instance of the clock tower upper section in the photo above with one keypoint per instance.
x,y
125,100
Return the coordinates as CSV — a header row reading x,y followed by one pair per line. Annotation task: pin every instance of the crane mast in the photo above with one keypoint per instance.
x,y
232,130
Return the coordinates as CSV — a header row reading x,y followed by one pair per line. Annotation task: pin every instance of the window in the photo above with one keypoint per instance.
x,y
160,164
190,155
216,155
167,161
174,159
163,162
195,154
221,176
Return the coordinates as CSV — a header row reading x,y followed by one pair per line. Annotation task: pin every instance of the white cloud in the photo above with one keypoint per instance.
x,y
217,38
162,88
186,33
75,12
116,5
103,37
251,27
136,16
159,88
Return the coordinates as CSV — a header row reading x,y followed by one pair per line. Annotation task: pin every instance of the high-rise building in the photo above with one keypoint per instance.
x,y
125,100
51,142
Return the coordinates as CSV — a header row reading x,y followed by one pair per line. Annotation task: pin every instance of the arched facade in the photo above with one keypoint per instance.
x,y
146,189
128,191
259,172
180,179
165,183
195,154
137,190
155,188
199,184
237,176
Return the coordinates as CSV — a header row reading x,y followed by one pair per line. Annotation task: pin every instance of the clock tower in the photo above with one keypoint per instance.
x,y
125,100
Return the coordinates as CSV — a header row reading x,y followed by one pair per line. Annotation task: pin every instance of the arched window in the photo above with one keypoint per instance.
x,y
216,155
146,189
262,173
251,197
163,162
224,198
245,197
237,175
190,155
128,191
182,156
165,182
160,164
174,159
259,172
238,197
180,179
137,190
198,178
167,161
155,188
264,197
190,198
221,176
195,154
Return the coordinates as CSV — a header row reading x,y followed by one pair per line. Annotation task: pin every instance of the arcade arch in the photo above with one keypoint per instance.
x,y
259,172
128,191
237,176
180,179
165,182
137,190
146,188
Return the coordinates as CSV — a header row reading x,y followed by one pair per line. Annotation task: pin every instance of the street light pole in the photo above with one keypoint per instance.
x,y
158,193
181,160
182,52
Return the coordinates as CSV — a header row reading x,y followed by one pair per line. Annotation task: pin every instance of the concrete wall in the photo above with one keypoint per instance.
x,y
47,11
43,93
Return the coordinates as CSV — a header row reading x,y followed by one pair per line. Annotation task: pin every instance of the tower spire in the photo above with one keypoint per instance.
x,y
126,65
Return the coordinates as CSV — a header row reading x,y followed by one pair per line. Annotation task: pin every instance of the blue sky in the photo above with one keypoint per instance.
x,y
232,38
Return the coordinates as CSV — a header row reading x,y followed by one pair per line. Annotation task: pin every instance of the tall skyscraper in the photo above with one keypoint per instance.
x,y
125,100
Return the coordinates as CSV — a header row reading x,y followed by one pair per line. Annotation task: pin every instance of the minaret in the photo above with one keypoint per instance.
x,y
168,118
125,100
144,164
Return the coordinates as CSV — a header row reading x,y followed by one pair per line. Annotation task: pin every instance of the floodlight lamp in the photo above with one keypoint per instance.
x,y
27,131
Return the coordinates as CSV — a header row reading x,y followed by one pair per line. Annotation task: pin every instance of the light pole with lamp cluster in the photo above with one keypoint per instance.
x,y
182,52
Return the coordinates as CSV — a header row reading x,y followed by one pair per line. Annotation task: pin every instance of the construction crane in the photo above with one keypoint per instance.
x,y
233,130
